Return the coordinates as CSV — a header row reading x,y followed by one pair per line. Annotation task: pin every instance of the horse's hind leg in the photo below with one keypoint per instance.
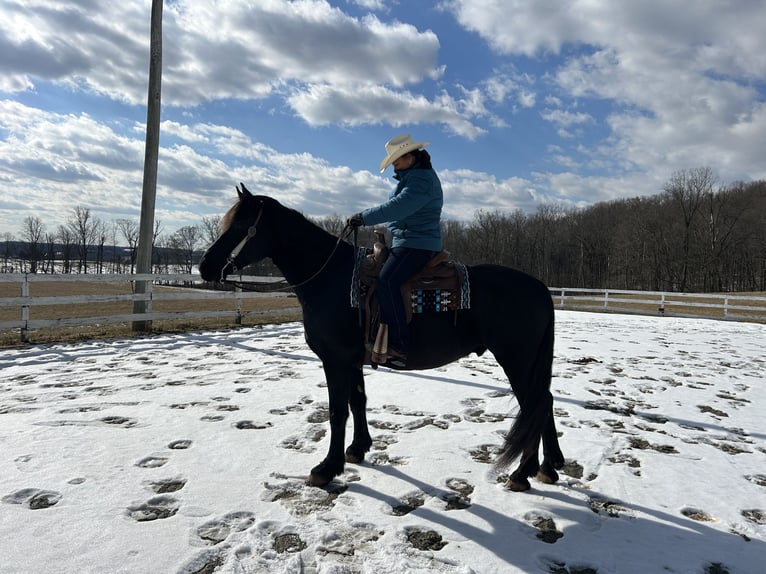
x,y
553,458
358,402
529,465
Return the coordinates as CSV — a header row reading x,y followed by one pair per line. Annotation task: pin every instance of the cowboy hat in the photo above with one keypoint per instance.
x,y
399,146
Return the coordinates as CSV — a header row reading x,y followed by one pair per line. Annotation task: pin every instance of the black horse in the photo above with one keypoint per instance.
x,y
511,314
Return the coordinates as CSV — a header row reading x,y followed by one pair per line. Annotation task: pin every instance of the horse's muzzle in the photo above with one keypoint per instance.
x,y
209,273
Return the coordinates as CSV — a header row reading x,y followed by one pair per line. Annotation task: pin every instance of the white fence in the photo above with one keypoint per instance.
x,y
715,306
25,301
727,306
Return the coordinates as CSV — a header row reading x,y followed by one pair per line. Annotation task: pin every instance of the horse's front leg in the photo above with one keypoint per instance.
x,y
358,403
339,382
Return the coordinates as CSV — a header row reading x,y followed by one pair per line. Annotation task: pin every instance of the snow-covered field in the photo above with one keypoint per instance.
x,y
187,453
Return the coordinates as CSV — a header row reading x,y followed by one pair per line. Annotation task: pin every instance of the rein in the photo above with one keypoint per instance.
x,y
267,286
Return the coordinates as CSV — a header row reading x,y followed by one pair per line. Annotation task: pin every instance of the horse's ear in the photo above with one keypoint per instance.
x,y
243,192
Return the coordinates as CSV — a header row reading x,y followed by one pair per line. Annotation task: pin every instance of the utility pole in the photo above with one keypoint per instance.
x,y
146,239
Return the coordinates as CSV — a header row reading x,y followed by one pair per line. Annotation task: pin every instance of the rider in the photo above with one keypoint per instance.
x,y
413,213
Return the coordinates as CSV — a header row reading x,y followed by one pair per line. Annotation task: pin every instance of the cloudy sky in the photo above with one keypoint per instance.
x,y
564,101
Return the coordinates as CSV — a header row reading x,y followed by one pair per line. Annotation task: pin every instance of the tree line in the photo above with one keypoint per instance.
x,y
694,236
88,244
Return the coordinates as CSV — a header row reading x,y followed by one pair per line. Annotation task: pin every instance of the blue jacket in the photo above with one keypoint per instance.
x,y
413,210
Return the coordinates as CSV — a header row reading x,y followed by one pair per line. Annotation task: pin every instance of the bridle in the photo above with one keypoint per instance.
x,y
272,286
251,231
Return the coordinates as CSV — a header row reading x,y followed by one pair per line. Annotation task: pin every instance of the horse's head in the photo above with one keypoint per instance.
x,y
241,241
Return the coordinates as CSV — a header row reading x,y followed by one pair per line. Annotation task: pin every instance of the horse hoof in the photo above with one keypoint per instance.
x,y
354,458
546,478
516,485
315,479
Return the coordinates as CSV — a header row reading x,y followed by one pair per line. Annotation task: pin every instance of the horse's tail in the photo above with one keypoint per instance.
x,y
535,404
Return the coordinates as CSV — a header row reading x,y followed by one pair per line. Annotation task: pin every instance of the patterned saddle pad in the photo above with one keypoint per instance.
x,y
434,289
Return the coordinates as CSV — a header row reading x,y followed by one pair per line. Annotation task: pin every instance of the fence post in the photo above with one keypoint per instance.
x,y
726,307
238,301
606,300
25,310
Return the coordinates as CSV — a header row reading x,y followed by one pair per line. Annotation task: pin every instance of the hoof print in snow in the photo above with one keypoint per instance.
x,y
320,415
712,411
485,453
460,497
152,462
250,425
425,539
216,531
408,504
156,508
288,543
754,515
556,567
697,514
227,408
382,442
573,468
180,444
33,498
547,531
382,459
212,418
206,562
642,444
301,499
384,425
758,479
124,422
610,508
167,485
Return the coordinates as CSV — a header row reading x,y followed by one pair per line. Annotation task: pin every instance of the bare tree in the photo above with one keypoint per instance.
x,y
211,229
100,235
129,230
33,234
66,240
688,190
49,264
85,229
186,241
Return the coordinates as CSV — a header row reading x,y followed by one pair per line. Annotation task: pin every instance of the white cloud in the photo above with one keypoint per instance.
x,y
565,118
359,105
236,49
662,85
369,4
210,50
467,191
680,75
50,163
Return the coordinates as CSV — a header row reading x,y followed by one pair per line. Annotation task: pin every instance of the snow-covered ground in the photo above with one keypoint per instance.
x,y
187,453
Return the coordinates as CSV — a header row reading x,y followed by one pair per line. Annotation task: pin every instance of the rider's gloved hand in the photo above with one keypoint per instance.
x,y
356,220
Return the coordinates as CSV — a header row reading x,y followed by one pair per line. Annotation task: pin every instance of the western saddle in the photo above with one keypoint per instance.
x,y
441,285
